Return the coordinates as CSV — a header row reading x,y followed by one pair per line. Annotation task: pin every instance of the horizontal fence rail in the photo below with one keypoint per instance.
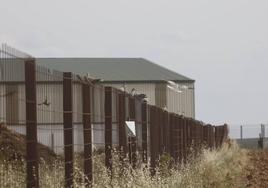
x,y
74,116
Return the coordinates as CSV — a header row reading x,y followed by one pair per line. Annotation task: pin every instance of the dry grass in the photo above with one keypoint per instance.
x,y
217,168
13,146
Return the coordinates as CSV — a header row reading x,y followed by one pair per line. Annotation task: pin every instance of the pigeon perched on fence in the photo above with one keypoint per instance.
x,y
46,103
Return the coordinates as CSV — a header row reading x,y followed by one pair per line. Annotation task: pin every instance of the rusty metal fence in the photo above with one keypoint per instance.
x,y
75,115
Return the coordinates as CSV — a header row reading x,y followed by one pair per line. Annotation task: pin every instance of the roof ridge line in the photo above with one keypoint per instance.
x,y
162,67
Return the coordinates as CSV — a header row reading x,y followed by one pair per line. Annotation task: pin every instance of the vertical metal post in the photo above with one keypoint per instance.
x,y
52,142
108,128
153,140
188,135
158,138
209,136
177,139
159,130
218,136
31,124
225,132
68,127
131,106
129,150
262,131
132,142
180,137
201,136
184,139
144,131
198,134
194,136
213,136
122,127
221,135
264,135
166,132
171,133
206,135
241,132
132,117
87,133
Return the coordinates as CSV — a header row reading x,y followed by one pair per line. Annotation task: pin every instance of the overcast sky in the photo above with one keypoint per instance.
x,y
221,44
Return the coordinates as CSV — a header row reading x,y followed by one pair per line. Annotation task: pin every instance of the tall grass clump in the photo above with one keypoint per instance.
x,y
221,167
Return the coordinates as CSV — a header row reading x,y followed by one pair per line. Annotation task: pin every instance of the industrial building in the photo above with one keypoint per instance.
x,y
162,87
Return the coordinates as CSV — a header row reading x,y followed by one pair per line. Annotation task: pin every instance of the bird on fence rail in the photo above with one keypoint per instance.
x,y
140,96
46,103
92,79
80,78
133,92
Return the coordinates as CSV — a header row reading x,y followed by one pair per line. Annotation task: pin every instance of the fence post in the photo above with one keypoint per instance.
x,y
166,132
184,139
31,124
202,135
144,131
122,127
208,135
171,133
160,130
153,140
52,142
221,135
108,128
87,132
193,136
131,107
132,117
68,127
264,136
213,137
225,132
241,132
216,137
180,137
132,142
176,137
188,132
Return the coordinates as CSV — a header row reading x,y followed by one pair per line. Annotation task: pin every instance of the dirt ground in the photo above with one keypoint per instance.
x,y
13,146
257,170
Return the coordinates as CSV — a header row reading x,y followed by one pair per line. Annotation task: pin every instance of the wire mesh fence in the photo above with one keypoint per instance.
x,y
245,131
65,116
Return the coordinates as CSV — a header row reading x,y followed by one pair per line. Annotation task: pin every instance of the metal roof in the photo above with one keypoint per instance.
x,y
115,69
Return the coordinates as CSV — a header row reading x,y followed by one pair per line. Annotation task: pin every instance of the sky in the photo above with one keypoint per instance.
x,y
223,45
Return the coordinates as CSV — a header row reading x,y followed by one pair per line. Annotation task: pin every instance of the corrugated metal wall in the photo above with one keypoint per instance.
x,y
160,95
145,88
182,102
